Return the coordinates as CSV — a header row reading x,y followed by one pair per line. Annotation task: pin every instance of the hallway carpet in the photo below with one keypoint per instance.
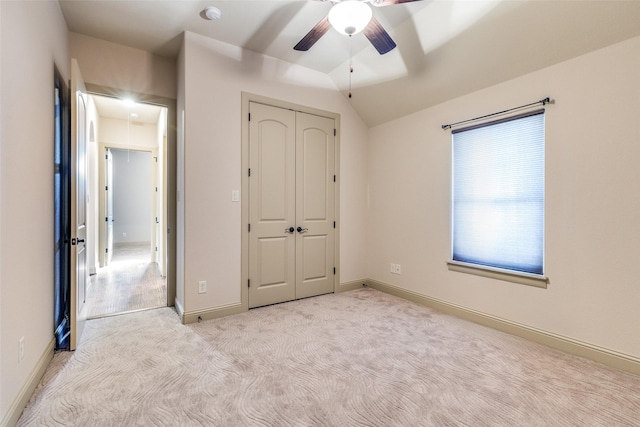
x,y
359,358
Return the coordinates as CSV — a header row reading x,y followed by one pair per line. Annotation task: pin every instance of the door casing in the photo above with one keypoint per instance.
x,y
106,241
103,214
247,98
169,168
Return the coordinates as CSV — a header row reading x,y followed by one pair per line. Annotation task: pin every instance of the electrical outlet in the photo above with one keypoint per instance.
x,y
398,270
21,349
202,286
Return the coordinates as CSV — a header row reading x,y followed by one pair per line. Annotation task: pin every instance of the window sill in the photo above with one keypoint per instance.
x,y
500,274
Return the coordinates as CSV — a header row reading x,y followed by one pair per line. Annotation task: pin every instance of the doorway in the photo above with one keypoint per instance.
x,y
291,186
78,189
129,198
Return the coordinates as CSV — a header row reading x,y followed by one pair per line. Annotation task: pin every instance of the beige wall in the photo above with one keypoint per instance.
x,y
121,133
124,68
215,75
592,203
34,38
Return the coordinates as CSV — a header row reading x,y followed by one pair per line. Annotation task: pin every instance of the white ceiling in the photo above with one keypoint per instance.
x,y
446,48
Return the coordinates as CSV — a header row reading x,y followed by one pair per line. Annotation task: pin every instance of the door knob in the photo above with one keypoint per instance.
x,y
302,230
289,230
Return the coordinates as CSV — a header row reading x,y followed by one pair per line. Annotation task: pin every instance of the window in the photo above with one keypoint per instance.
x,y
498,195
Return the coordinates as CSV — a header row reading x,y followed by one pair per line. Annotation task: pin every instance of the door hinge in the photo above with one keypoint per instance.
x,y
106,188
156,189
248,283
249,116
335,132
334,178
249,228
156,249
249,171
106,250
106,157
334,270
334,224
106,219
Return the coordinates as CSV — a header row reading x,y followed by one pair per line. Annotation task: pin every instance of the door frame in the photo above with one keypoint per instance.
x,y
247,98
169,166
102,213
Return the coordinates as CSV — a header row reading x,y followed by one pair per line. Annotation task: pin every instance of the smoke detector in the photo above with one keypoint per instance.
x,y
211,13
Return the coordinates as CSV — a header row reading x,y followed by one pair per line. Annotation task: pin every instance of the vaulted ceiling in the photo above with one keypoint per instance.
x,y
446,48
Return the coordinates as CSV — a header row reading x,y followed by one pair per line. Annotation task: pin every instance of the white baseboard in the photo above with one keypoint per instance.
x,y
606,356
213,313
350,286
179,309
20,402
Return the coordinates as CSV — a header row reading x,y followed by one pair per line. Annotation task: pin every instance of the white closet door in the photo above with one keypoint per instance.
x,y
272,205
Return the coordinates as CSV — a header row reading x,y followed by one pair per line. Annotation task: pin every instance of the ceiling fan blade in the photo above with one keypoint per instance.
x,y
314,35
379,37
380,3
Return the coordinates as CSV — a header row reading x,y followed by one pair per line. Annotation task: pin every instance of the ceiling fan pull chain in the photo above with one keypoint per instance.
x,y
350,63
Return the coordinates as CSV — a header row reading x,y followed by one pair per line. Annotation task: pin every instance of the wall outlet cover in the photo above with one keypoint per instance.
x,y
202,286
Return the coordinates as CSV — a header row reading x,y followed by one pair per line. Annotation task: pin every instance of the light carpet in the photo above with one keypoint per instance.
x,y
359,358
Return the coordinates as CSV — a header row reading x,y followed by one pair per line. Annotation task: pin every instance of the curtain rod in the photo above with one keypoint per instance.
x,y
544,102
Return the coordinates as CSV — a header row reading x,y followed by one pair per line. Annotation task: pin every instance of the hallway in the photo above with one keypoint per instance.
x,y
130,283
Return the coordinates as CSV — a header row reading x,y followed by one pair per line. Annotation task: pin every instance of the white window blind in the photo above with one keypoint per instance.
x,y
498,194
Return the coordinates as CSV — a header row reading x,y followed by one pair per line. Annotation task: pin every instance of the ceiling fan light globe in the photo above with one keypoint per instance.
x,y
349,17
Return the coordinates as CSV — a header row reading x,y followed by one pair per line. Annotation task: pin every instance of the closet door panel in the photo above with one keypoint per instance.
x,y
315,168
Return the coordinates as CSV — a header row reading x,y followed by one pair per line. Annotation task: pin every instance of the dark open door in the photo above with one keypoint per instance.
x,y
62,220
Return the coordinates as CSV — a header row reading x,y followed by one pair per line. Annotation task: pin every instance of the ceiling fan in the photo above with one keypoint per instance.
x,y
350,17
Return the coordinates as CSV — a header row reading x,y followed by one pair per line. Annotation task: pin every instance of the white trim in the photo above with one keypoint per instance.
x,y
500,274
350,286
212,313
179,309
20,402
